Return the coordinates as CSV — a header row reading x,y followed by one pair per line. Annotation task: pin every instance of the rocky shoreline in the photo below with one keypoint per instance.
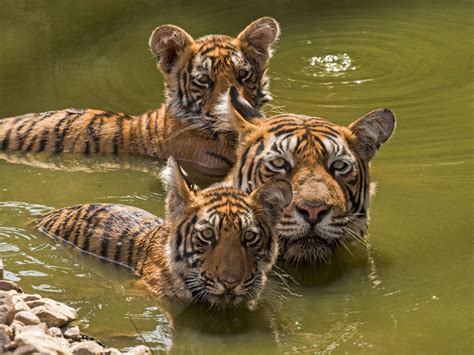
x,y
32,324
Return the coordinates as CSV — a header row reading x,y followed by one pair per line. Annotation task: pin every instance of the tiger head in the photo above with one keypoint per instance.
x,y
199,72
328,166
222,240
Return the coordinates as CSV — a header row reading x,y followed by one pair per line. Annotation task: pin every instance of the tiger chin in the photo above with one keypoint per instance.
x,y
216,245
328,166
197,72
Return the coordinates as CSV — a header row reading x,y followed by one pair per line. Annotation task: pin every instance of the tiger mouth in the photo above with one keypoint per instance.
x,y
310,238
307,249
225,299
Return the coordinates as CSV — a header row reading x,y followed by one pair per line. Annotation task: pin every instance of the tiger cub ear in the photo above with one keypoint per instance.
x,y
168,43
241,113
257,38
272,198
372,130
181,191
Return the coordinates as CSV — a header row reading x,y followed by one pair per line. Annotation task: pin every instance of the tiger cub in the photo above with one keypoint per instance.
x,y
188,124
327,165
216,245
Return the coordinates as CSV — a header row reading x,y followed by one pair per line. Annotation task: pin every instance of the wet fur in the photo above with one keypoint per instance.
x,y
187,126
308,147
172,257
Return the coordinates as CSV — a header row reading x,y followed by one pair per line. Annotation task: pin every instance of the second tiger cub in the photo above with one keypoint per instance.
x,y
216,244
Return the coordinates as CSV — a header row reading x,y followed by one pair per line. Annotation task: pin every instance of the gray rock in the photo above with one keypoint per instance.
x,y
7,311
86,348
8,285
21,306
112,351
16,326
41,327
27,318
72,332
28,297
55,332
35,303
34,342
6,335
55,314
19,303
138,350
13,292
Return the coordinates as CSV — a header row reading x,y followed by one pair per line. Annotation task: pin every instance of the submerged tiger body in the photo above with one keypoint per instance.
x,y
216,245
328,166
188,125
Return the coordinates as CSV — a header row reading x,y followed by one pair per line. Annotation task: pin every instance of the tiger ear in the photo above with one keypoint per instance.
x,y
168,43
181,191
241,113
257,39
272,198
372,130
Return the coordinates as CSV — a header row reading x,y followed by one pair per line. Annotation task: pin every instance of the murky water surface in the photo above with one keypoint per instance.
x,y
410,293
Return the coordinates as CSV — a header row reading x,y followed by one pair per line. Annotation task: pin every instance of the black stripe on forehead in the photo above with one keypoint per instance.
x,y
205,50
215,41
216,199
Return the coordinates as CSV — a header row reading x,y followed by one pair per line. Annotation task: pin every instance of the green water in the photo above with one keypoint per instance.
x,y
411,293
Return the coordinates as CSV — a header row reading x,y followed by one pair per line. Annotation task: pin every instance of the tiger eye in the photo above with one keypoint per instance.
x,y
341,166
207,233
338,165
244,74
279,162
249,236
203,80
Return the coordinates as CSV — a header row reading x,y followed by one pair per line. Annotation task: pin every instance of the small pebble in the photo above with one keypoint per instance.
x,y
55,332
72,332
86,348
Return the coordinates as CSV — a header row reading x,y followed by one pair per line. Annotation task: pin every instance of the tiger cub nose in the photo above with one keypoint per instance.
x,y
229,282
313,211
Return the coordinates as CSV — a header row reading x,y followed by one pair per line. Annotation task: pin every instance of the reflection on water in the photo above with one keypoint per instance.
x,y
334,64
408,293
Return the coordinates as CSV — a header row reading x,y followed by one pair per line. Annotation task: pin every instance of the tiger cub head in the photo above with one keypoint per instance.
x,y
222,240
328,166
199,72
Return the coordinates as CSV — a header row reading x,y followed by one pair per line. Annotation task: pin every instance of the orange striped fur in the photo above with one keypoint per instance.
x,y
190,125
328,166
216,245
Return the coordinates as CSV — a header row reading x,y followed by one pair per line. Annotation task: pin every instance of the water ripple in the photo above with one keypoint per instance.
x,y
330,64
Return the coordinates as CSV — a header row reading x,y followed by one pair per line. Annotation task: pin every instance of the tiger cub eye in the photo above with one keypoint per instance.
x,y
279,162
244,74
202,80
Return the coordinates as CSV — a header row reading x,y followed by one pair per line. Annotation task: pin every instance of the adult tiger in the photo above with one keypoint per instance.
x,y
216,244
327,164
187,126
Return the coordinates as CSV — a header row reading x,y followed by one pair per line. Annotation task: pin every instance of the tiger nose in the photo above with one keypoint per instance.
x,y
229,281
313,211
